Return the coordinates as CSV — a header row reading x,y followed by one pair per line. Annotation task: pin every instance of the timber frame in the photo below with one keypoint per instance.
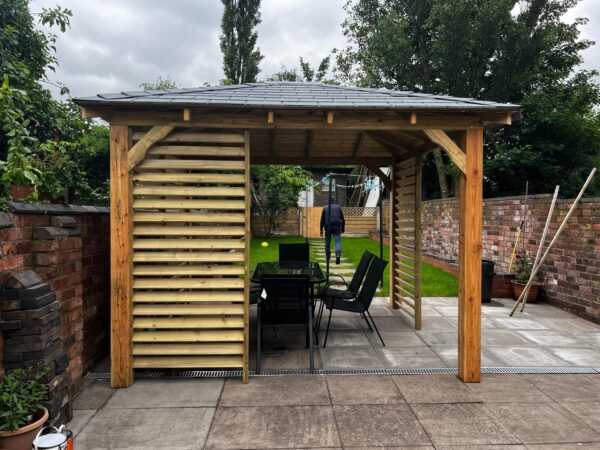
x,y
171,172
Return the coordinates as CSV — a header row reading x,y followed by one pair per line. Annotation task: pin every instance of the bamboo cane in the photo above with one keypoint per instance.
x,y
562,225
521,226
543,239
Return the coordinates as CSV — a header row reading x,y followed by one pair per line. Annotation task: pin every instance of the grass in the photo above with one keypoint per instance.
x,y
435,282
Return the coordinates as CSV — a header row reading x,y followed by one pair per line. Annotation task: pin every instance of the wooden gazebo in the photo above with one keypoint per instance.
x,y
180,204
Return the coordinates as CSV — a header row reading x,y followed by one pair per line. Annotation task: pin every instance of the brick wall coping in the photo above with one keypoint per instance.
x,y
51,209
520,197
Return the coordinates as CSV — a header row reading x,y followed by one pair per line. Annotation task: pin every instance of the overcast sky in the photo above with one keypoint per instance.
x,y
115,45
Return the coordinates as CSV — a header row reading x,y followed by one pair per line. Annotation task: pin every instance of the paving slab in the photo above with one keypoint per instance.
x,y
394,339
379,425
276,359
350,358
480,447
517,323
492,336
421,356
567,388
347,338
578,356
587,412
273,427
447,311
438,324
570,446
147,394
394,323
93,395
439,338
550,338
507,389
173,428
363,390
275,391
340,322
434,389
572,324
526,357
462,424
589,337
81,418
449,356
543,423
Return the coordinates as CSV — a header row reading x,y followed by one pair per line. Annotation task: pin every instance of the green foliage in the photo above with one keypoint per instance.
x,y
160,84
238,41
278,189
522,269
21,394
44,142
305,73
502,50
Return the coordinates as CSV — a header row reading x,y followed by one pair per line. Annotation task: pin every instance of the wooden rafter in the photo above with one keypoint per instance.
x,y
385,179
309,142
359,142
455,153
139,150
272,141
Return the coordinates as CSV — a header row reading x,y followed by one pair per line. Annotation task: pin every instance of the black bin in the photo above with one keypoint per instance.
x,y
487,276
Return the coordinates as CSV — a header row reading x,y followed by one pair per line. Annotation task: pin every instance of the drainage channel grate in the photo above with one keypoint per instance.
x,y
148,375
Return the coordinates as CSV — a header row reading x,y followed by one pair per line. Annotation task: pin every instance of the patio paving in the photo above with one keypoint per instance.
x,y
408,411
542,336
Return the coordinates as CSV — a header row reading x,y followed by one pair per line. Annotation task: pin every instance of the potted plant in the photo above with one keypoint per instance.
x,y
21,412
522,272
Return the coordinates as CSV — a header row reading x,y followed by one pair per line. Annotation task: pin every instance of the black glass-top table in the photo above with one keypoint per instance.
x,y
310,269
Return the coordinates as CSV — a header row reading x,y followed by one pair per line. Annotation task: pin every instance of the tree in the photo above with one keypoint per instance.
x,y
502,50
305,73
278,189
160,84
44,143
238,41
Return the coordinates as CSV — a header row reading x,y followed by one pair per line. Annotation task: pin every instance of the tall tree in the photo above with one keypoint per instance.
x,y
241,57
305,73
503,50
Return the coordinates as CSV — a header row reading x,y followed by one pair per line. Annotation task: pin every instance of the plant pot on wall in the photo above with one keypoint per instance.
x,y
22,438
20,192
533,290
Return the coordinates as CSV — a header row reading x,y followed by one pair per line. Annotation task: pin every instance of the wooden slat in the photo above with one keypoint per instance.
x,y
187,310
189,217
470,244
189,257
187,322
139,150
190,164
209,178
189,191
187,243
196,137
184,230
120,259
220,269
188,204
417,244
187,283
189,336
188,297
187,362
183,349
195,150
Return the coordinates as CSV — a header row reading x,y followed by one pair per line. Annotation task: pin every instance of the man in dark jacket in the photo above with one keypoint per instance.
x,y
338,225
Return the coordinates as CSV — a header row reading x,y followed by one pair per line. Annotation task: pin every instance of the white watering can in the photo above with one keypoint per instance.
x,y
58,439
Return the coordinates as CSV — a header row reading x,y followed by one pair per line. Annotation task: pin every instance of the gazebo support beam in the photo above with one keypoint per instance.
x,y
382,176
454,151
139,150
121,257
470,244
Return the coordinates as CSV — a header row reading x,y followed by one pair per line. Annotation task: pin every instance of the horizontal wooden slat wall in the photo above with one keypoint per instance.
x,y
189,252
405,237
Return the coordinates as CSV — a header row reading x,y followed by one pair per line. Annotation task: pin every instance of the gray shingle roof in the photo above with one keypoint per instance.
x,y
292,95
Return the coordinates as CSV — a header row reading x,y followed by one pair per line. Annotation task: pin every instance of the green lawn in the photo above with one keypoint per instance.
x,y
435,282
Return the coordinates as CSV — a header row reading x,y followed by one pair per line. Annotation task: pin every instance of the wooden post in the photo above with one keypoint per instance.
x,y
470,243
417,269
247,239
392,235
120,259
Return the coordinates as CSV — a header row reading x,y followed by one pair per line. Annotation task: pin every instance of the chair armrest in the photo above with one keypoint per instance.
x,y
339,276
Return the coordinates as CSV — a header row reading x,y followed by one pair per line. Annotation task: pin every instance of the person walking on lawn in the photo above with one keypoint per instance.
x,y
338,225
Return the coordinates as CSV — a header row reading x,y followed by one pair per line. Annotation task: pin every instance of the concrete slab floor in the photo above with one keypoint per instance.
x,y
419,412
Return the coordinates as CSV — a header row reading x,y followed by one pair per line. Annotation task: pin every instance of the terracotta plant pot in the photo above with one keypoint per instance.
x,y
20,192
533,290
22,438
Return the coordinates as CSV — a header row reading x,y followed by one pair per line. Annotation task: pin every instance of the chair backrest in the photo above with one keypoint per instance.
x,y
361,271
294,252
369,287
287,299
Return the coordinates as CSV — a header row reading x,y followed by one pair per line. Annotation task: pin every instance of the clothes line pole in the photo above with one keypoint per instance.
x,y
381,225
328,230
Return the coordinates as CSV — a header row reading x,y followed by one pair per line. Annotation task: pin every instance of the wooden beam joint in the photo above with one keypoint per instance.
x,y
139,150
456,154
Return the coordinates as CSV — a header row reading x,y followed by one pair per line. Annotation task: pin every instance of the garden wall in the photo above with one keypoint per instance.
x,y
571,273
68,247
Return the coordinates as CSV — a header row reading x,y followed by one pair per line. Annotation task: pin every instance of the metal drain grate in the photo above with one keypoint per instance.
x,y
147,375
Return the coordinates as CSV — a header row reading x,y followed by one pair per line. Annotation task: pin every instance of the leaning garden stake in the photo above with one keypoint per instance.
x,y
543,239
562,225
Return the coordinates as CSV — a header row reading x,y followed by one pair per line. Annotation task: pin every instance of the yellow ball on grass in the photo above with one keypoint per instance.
x,y
265,244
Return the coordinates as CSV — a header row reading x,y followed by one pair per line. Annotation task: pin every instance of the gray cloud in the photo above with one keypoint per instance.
x,y
115,45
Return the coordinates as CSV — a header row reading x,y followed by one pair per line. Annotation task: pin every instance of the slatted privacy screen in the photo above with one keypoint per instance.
x,y
405,249
189,251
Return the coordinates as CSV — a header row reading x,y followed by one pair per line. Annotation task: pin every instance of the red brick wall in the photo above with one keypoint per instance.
x,y
571,273
76,262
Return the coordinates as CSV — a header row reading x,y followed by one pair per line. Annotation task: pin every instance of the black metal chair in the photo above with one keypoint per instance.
x,y
360,302
341,289
294,252
287,303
